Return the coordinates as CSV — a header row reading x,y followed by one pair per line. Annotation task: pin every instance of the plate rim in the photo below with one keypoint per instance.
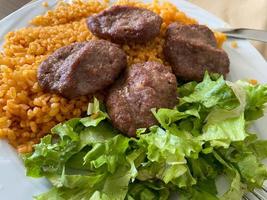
x,y
10,19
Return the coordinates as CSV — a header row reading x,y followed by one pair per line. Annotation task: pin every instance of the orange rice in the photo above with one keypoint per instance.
x,y
26,112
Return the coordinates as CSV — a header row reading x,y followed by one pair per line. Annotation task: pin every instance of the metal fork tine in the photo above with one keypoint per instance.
x,y
257,195
264,188
245,197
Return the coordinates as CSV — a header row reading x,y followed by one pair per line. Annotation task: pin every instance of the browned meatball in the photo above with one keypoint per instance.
x,y
125,24
144,86
81,68
191,50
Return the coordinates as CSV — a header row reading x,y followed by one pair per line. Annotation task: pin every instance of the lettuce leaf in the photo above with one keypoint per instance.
x,y
212,93
205,136
259,147
224,132
86,161
148,190
255,101
166,154
244,156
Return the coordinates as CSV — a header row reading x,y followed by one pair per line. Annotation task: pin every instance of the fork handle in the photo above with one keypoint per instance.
x,y
243,33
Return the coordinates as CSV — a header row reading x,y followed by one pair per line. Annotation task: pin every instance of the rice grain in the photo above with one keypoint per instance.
x,y
26,112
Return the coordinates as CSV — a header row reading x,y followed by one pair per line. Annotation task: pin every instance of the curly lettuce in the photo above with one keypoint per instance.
x,y
204,137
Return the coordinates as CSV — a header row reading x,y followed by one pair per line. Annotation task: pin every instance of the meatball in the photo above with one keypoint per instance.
x,y
123,24
191,50
144,86
81,68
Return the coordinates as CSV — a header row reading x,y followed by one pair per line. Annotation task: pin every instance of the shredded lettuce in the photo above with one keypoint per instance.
x,y
205,136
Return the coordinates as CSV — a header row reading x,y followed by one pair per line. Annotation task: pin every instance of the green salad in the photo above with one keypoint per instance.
x,y
206,137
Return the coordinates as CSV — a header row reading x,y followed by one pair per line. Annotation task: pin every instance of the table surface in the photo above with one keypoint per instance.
x,y
9,6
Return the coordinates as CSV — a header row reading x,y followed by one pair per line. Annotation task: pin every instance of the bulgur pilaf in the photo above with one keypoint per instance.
x,y
26,112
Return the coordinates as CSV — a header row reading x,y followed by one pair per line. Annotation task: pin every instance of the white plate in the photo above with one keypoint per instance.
x,y
246,63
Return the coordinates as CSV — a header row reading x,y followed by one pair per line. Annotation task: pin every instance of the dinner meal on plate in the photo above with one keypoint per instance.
x,y
129,100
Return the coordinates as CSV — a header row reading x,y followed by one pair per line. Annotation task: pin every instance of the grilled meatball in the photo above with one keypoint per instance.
x,y
81,68
191,50
144,86
125,24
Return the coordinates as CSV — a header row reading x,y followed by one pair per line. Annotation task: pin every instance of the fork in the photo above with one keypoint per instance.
x,y
245,33
260,194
